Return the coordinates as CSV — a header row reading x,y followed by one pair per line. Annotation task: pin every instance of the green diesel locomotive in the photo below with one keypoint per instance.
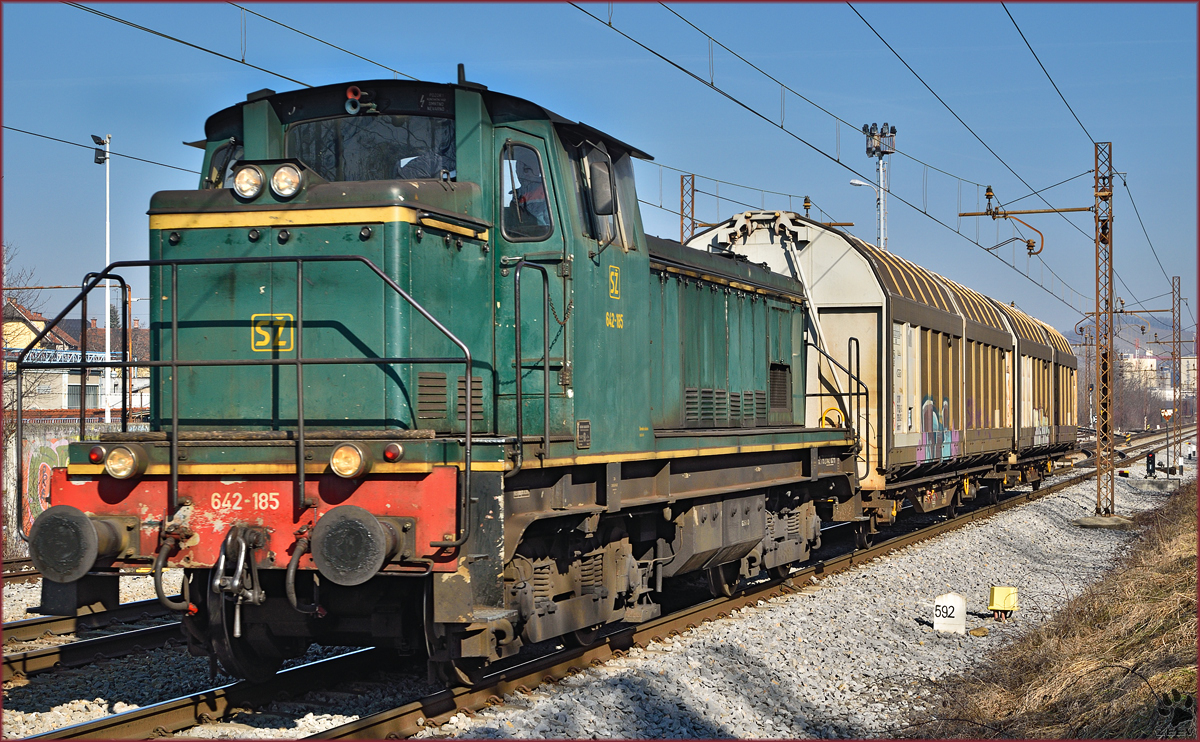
x,y
420,380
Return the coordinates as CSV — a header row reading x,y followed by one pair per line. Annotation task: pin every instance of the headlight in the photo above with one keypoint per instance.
x,y
349,461
286,181
248,182
124,462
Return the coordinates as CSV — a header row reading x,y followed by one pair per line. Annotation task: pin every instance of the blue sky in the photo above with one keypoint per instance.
x,y
1127,70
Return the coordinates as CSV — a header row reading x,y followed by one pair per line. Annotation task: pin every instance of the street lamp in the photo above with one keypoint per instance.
x,y
102,158
878,210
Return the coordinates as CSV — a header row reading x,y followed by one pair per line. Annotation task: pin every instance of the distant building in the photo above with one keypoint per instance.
x,y
60,389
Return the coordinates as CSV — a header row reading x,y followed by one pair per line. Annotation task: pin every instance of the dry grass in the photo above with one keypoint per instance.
x,y
1118,662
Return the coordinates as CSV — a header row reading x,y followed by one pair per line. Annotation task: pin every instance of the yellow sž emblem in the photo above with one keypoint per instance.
x,y
614,282
270,332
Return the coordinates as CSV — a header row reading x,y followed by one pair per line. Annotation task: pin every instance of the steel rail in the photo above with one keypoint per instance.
x,y
87,651
436,709
33,628
20,570
162,719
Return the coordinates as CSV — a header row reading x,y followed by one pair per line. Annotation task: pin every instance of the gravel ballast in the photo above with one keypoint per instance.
x,y
851,656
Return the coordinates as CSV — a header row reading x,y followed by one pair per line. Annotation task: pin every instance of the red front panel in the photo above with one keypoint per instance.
x,y
269,502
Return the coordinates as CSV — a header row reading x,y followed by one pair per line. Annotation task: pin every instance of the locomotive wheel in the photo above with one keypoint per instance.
x,y
256,661
723,579
779,572
465,672
583,637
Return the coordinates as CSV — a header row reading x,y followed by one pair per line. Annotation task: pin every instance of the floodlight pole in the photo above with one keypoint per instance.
x,y
107,295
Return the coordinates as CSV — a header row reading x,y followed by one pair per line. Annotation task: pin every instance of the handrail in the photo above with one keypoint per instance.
x,y
521,263
853,377
92,280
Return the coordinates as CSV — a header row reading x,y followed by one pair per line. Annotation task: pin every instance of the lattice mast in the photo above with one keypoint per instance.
x,y
1105,473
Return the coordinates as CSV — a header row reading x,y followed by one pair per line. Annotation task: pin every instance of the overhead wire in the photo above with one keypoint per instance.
x,y
980,139
92,146
1048,77
1144,232
712,86
1090,138
323,41
185,43
802,97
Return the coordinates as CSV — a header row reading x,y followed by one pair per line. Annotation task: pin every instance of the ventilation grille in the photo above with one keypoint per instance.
x,y
760,407
721,407
735,408
781,386
431,395
476,398
691,405
706,407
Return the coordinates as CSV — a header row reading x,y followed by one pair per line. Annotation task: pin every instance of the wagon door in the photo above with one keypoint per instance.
x,y
530,224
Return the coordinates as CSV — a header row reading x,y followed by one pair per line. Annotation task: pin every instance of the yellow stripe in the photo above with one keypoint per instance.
x,y
286,218
419,467
448,227
425,467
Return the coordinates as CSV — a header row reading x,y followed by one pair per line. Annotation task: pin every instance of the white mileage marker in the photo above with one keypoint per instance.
x,y
950,613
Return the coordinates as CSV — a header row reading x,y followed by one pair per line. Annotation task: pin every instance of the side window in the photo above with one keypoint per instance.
x,y
626,198
603,226
524,206
221,166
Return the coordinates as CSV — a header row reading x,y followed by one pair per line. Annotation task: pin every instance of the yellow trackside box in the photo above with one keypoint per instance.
x,y
1002,599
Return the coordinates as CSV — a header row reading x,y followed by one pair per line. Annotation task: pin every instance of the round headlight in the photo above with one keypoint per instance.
x,y
349,461
248,182
122,463
286,181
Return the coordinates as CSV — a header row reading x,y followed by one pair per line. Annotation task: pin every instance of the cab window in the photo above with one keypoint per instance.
x,y
375,147
524,206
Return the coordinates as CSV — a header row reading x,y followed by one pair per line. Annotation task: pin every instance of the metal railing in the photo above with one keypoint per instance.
x,y
520,455
92,280
853,411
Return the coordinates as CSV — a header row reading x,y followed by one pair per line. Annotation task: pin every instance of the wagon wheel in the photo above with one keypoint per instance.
x,y
723,579
864,533
253,655
993,494
779,572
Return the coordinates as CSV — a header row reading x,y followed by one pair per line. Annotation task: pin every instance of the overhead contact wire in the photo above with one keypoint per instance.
x,y
801,96
1048,77
89,146
177,40
818,150
323,41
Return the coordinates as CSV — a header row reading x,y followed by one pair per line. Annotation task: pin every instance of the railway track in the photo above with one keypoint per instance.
x,y
20,570
74,653
218,703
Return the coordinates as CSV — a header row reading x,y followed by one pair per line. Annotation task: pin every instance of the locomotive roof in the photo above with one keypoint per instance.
x,y
395,97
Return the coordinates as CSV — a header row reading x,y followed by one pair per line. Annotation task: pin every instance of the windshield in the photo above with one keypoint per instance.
x,y
375,147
